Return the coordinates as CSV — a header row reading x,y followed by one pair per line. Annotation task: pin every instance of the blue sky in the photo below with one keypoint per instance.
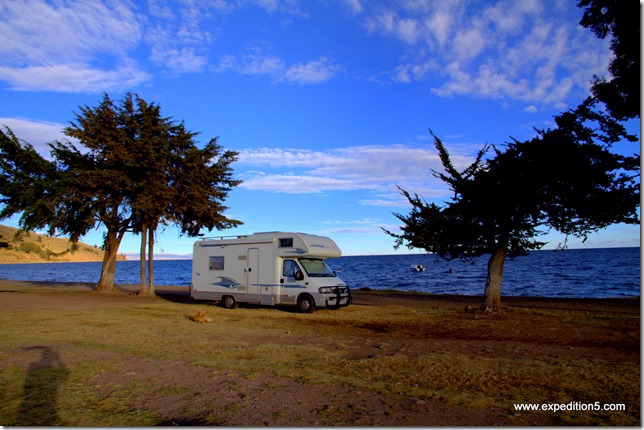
x,y
328,102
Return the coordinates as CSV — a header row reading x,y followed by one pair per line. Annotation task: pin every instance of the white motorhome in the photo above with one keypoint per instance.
x,y
273,268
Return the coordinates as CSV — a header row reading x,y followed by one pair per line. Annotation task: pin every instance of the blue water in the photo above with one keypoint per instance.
x,y
609,272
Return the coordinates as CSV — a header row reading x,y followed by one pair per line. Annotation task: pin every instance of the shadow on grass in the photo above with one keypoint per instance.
x,y
45,375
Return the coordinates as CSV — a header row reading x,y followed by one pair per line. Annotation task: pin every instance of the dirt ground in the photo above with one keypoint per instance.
x,y
291,403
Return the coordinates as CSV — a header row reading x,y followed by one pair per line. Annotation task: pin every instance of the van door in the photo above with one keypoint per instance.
x,y
292,281
252,275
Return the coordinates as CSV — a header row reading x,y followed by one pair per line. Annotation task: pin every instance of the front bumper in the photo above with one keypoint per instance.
x,y
341,296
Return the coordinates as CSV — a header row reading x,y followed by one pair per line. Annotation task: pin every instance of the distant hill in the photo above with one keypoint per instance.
x,y
26,247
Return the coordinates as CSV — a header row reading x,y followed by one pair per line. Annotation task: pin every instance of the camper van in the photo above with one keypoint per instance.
x,y
274,268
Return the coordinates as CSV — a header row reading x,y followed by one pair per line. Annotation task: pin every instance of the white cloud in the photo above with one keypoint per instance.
x,y
361,226
354,5
72,78
177,36
313,72
35,31
375,169
408,30
90,45
439,25
351,230
36,133
183,60
256,63
354,222
529,51
70,46
469,43
297,184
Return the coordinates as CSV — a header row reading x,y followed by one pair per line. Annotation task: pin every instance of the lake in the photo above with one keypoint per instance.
x,y
598,273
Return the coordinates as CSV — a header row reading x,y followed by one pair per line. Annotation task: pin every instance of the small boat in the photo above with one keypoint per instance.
x,y
418,268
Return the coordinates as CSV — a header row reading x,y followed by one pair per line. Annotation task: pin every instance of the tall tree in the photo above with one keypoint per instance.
x,y
564,179
180,184
78,189
100,176
149,199
134,170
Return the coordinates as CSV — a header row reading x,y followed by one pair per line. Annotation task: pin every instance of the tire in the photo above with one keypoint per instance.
x,y
306,304
229,302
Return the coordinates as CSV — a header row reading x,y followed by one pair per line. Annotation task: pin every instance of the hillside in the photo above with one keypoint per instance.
x,y
27,247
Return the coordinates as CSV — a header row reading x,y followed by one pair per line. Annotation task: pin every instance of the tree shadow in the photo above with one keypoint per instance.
x,y
40,403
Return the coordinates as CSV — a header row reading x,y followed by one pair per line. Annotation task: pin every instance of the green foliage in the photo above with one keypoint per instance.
x,y
564,179
621,20
487,212
28,183
133,167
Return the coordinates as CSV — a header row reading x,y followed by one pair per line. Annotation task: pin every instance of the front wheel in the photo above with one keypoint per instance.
x,y
229,302
306,304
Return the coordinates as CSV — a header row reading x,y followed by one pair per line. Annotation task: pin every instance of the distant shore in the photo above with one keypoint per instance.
x,y
23,247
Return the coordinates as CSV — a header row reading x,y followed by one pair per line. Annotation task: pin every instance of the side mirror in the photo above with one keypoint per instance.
x,y
299,276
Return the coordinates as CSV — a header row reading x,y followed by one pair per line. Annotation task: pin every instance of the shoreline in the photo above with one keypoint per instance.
x,y
371,297
100,260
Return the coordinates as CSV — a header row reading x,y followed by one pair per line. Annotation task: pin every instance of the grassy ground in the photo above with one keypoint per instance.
x,y
82,359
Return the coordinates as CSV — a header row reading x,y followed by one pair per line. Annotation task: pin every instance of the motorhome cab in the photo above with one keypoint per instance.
x,y
272,268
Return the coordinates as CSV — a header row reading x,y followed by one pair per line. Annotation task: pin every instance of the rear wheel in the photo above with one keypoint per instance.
x,y
306,304
229,302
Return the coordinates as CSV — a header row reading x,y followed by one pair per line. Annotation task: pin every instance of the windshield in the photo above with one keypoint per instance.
x,y
316,267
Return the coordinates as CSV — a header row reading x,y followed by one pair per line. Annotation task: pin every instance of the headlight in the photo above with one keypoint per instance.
x,y
326,290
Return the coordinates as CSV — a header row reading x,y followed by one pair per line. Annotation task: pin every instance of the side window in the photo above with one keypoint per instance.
x,y
289,268
216,263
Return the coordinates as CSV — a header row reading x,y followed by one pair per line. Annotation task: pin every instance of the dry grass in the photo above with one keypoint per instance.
x,y
26,247
429,354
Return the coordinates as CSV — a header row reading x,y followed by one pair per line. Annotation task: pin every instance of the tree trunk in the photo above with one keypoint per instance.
x,y
492,299
142,278
151,260
108,269
147,288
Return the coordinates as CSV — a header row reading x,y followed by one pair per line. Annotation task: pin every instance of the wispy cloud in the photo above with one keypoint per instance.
x,y
376,169
297,183
312,72
528,51
361,227
179,37
36,133
257,63
73,78
254,64
521,50
354,5
90,46
75,46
